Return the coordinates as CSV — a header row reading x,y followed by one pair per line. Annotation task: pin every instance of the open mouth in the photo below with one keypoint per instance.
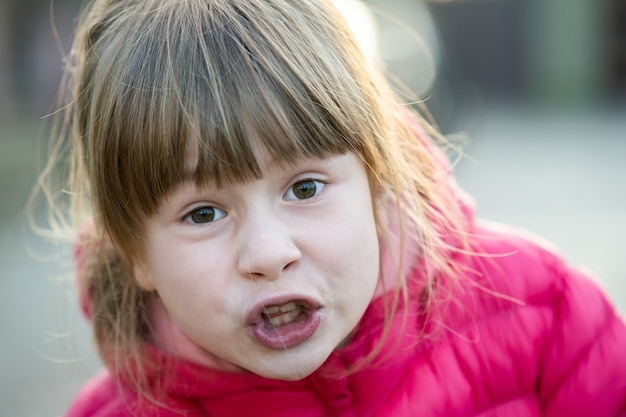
x,y
281,325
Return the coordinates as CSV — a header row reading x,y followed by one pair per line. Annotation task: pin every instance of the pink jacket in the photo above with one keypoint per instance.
x,y
522,335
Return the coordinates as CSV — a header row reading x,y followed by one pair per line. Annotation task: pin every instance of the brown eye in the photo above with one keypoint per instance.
x,y
303,190
205,215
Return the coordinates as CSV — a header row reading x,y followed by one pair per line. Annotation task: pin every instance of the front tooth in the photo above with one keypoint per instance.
x,y
286,308
290,306
284,318
271,310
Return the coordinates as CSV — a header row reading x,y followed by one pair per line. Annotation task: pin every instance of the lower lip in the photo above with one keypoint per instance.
x,y
288,335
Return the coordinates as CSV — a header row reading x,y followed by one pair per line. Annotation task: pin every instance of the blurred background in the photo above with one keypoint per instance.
x,y
534,89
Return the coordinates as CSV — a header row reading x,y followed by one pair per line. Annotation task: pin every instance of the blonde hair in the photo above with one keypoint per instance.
x,y
154,81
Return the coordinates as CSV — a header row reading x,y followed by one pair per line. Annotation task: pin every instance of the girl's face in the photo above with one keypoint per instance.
x,y
273,274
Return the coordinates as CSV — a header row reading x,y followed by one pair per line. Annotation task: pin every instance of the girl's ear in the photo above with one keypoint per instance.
x,y
143,278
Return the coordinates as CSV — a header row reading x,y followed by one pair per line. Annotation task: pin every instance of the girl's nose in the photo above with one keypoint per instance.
x,y
267,248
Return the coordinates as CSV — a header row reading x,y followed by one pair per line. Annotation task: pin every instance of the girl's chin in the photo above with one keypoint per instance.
x,y
290,365
290,373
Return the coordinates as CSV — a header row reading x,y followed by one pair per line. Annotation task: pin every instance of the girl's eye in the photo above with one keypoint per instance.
x,y
205,215
303,190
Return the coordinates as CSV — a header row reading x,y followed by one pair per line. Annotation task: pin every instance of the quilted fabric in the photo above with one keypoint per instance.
x,y
520,334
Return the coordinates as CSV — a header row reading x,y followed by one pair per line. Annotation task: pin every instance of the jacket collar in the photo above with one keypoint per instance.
x,y
333,386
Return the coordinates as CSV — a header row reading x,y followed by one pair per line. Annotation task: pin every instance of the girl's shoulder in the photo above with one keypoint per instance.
x,y
520,265
515,279
510,275
525,297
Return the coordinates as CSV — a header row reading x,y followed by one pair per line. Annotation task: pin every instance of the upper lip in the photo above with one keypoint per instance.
x,y
255,315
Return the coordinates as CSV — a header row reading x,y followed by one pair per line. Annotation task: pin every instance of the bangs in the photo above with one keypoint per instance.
x,y
258,110
206,86
246,94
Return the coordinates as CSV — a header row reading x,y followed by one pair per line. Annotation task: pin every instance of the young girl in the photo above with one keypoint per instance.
x,y
266,229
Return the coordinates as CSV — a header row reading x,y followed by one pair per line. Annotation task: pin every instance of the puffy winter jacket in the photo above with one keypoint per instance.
x,y
521,334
